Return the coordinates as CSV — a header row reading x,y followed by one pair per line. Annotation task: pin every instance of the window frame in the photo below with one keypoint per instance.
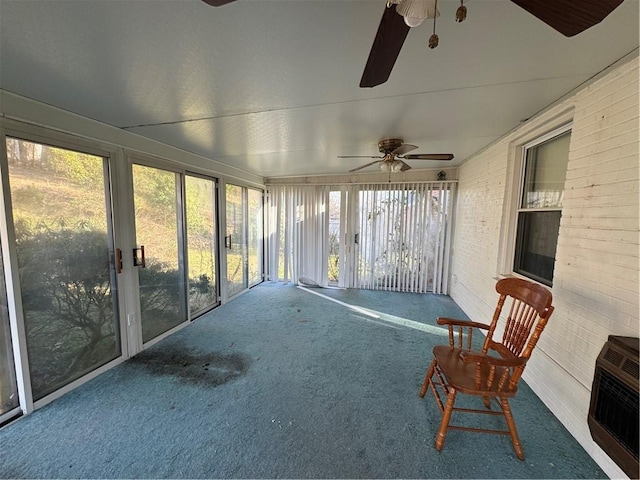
x,y
10,128
522,211
559,124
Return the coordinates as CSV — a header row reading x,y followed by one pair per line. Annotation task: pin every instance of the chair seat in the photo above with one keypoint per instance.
x,y
461,375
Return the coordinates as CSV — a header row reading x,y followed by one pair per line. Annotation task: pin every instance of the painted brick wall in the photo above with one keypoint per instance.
x,y
596,286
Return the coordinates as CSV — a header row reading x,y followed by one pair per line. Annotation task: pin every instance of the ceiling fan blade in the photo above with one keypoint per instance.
x,y
429,156
364,166
404,148
568,16
386,47
217,3
358,156
405,167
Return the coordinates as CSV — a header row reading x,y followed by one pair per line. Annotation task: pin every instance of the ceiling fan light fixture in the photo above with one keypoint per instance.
x,y
396,166
415,11
413,21
385,166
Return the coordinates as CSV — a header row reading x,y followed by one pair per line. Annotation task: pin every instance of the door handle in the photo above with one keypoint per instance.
x,y
227,242
138,261
118,260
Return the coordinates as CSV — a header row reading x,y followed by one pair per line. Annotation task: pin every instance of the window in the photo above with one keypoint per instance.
x,y
540,206
202,248
243,238
64,242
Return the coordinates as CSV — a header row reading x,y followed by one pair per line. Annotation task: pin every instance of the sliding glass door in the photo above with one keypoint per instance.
x,y
61,207
236,240
243,240
59,309
372,236
200,194
175,218
338,265
159,256
403,237
63,265
254,236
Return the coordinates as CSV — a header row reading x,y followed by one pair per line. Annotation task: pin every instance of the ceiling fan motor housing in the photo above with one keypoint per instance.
x,y
388,145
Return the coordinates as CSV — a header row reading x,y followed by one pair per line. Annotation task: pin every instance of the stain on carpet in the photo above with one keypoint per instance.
x,y
210,369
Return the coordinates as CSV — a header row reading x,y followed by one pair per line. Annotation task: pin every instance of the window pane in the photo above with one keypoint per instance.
x,y
254,211
545,171
162,286
63,241
536,244
335,198
8,387
201,242
237,252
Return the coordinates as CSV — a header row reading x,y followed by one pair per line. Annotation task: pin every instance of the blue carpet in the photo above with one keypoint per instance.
x,y
282,383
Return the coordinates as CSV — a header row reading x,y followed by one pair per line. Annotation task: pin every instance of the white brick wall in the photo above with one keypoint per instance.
x,y
477,230
596,286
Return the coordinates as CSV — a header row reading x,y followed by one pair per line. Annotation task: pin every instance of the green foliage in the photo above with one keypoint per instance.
x,y
202,293
155,188
66,292
29,197
162,287
81,168
200,206
67,297
334,257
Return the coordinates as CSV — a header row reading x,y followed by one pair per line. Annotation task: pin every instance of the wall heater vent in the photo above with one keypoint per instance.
x,y
613,411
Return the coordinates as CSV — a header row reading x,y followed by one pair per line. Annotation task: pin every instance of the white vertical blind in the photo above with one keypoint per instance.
x,y
298,240
404,236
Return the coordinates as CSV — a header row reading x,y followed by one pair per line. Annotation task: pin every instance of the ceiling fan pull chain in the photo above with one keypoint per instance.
x,y
433,39
461,12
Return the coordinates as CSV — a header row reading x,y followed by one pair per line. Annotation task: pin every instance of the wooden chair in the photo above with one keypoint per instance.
x,y
456,368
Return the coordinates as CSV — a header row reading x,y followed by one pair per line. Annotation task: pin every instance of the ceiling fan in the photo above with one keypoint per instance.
x,y
569,17
394,151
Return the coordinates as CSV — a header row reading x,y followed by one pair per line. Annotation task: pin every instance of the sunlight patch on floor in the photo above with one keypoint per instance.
x,y
382,317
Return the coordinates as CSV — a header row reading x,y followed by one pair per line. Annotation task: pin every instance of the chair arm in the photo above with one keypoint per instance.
x,y
471,357
461,323
461,326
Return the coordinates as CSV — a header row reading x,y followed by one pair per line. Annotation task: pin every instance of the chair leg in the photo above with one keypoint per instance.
x,y
446,416
506,409
487,402
427,378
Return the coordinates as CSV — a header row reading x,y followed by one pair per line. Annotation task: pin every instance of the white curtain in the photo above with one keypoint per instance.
x,y
297,233
404,236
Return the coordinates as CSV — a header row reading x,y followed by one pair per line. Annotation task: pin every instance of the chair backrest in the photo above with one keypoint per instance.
x,y
530,308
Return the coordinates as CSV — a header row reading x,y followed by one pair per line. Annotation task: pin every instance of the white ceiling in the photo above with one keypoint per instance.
x,y
271,87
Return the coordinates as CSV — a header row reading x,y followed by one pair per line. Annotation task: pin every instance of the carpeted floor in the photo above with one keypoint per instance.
x,y
283,383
